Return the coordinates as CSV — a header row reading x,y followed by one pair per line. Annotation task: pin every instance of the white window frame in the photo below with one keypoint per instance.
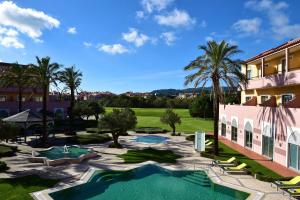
x,y
5,98
247,97
292,94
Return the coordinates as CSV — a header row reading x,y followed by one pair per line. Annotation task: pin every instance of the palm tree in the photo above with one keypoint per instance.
x,y
72,79
217,67
16,76
45,74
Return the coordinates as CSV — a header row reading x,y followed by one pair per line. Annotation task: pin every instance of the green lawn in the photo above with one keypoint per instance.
x,y
19,188
150,117
138,156
262,172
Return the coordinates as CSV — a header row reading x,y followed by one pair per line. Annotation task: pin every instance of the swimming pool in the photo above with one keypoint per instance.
x,y
149,182
58,152
151,139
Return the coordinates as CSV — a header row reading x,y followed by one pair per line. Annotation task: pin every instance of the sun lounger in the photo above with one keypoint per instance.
x,y
208,144
238,169
225,163
294,182
206,141
293,192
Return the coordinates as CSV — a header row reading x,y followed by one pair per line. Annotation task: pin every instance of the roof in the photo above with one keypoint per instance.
x,y
276,49
26,116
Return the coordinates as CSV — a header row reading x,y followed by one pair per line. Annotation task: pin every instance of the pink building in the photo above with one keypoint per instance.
x,y
268,120
32,99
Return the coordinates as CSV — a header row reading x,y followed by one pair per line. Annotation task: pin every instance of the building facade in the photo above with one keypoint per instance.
x,y
32,99
268,120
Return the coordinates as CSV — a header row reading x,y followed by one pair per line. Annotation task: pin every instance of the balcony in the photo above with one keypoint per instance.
x,y
277,80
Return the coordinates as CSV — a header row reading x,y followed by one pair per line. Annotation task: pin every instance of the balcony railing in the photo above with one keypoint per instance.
x,y
277,80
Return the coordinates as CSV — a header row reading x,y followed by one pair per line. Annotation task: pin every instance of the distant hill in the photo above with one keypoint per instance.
x,y
174,92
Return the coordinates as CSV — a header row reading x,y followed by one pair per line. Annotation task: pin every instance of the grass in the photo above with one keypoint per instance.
x,y
254,167
19,188
150,117
92,138
138,156
6,151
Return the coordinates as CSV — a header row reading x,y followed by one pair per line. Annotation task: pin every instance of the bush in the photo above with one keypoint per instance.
x,y
190,138
3,166
7,151
201,106
93,139
150,130
92,130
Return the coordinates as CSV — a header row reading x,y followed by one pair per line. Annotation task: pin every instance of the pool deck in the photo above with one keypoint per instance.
x,y
74,174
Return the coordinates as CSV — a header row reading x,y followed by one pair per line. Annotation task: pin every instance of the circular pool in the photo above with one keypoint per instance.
x,y
154,139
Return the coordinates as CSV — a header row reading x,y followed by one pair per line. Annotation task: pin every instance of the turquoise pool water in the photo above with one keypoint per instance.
x,y
149,182
151,139
58,152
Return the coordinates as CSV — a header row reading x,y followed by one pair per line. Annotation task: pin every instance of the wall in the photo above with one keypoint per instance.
x,y
282,118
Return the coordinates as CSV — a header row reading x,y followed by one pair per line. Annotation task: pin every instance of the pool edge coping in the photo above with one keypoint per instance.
x,y
44,194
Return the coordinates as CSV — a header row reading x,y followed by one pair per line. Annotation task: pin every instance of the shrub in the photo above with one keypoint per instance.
x,y
190,138
7,151
92,138
150,130
3,166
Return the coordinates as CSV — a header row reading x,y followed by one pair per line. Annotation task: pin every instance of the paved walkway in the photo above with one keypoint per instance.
x,y
281,170
19,166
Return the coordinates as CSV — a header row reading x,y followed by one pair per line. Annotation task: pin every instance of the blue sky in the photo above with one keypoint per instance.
x,y
138,45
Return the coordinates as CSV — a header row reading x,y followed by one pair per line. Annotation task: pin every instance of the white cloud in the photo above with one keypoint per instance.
x,y
72,30
8,41
247,26
277,16
155,5
176,18
9,38
87,44
113,48
203,24
209,38
140,14
133,36
22,20
168,37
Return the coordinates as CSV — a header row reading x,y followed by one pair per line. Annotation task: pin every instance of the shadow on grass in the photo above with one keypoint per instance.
x,y
161,156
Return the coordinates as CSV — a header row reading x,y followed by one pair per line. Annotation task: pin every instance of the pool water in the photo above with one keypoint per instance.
x,y
58,152
149,182
151,139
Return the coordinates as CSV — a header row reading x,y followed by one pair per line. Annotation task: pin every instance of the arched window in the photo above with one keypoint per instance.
x,y
248,135
294,150
234,130
223,127
267,140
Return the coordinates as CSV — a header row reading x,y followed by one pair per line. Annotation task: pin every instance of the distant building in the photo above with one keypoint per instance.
x,y
186,95
268,120
137,94
32,99
92,96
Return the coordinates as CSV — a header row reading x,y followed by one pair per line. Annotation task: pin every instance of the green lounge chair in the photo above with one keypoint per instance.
x,y
294,182
293,192
208,144
238,169
229,162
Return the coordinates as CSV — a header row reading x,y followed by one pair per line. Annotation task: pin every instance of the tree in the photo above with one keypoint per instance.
x,y
8,131
171,118
201,106
216,66
96,109
16,76
72,79
119,121
45,73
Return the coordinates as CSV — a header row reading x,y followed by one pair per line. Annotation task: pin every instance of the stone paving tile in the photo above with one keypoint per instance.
x,y
19,165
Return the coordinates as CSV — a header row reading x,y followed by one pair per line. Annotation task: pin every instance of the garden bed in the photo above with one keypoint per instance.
x,y
138,156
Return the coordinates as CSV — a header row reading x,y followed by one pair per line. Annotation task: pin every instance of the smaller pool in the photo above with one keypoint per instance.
x,y
154,139
59,152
